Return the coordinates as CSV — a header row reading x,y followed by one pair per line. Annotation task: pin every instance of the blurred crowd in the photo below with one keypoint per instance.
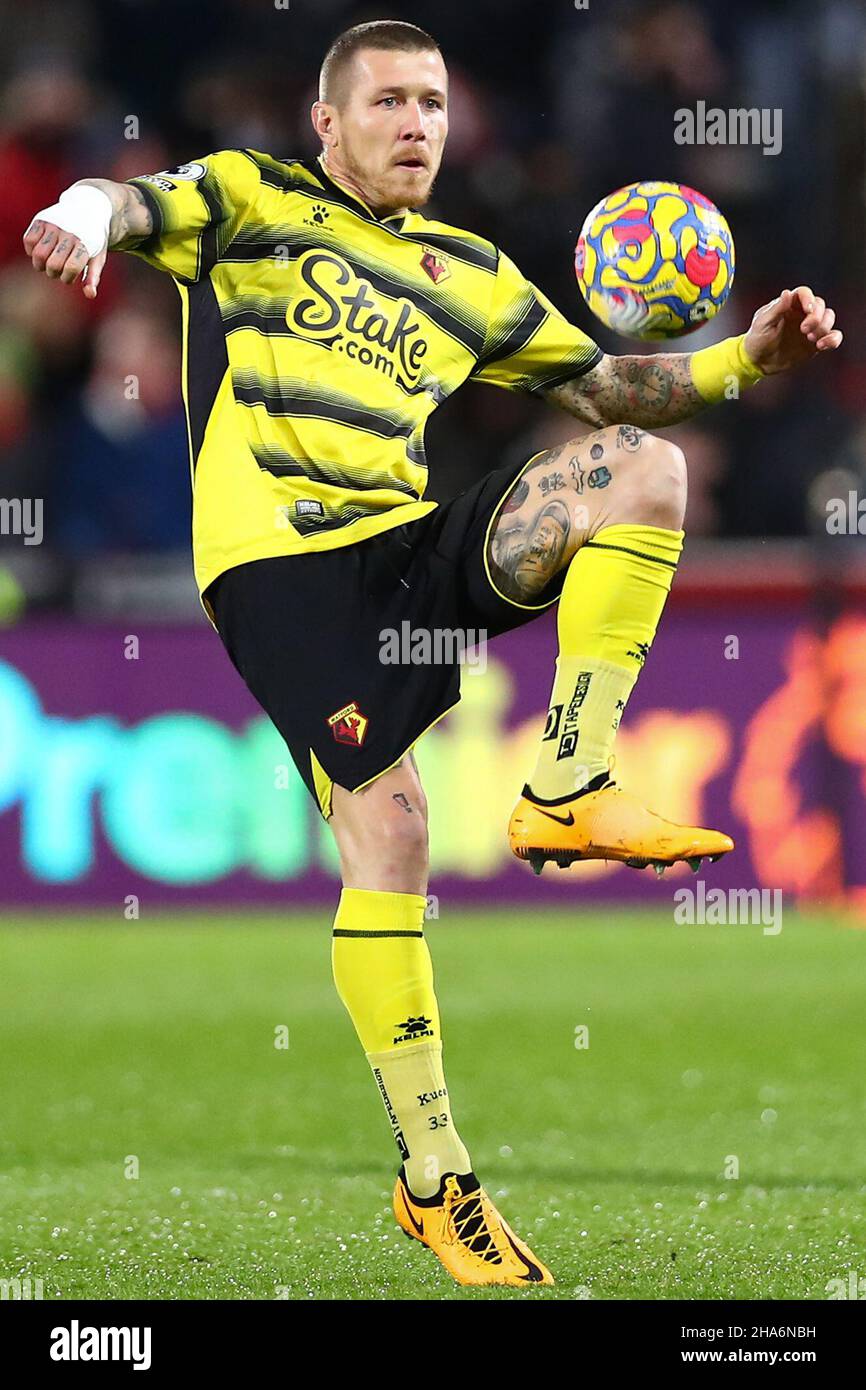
x,y
552,106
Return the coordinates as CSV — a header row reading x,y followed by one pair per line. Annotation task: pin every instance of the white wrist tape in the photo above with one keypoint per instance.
x,y
84,211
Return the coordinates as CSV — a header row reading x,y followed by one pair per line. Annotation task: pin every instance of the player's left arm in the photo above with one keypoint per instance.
x,y
663,388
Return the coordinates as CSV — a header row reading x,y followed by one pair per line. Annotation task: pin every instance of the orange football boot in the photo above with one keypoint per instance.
x,y
461,1225
607,824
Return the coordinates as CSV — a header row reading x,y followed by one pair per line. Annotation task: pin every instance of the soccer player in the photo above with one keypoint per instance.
x,y
324,319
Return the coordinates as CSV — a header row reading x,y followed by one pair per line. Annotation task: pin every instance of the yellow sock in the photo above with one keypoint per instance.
x,y
384,976
611,603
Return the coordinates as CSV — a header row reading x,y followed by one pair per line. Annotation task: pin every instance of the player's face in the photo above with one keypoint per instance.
x,y
391,131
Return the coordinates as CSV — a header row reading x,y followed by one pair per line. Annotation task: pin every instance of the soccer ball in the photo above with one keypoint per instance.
x,y
655,260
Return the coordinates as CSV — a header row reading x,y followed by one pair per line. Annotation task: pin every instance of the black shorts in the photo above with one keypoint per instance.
x,y
314,635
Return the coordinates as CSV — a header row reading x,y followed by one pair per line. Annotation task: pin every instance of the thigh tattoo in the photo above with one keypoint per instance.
x,y
538,525
527,549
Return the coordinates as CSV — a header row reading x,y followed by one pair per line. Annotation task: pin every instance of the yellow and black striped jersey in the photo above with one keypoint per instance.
x,y
318,338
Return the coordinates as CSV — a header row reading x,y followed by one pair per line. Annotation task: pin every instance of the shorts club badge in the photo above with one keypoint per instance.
x,y
349,725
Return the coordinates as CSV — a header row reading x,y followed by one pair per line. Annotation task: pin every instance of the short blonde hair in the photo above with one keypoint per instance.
x,y
378,33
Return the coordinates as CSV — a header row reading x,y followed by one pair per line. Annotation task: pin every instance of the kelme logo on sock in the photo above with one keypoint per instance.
x,y
414,1028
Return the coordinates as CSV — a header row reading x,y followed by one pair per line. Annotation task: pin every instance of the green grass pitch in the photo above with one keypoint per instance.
x,y
266,1172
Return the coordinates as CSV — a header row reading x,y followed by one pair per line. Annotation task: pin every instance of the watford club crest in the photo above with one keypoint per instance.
x,y
435,265
349,725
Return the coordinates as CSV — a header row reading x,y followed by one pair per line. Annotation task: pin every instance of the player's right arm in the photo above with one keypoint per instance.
x,y
75,234
180,221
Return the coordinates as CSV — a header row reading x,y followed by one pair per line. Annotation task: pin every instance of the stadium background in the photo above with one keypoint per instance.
x,y
167,891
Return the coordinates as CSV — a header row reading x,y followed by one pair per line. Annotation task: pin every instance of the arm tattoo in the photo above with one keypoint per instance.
x,y
132,204
131,218
647,391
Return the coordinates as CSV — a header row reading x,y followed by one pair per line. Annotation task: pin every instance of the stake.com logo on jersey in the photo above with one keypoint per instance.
x,y
355,319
